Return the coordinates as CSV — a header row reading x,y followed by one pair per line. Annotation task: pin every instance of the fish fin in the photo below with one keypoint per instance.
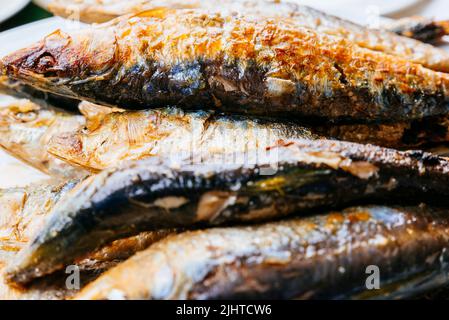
x,y
95,113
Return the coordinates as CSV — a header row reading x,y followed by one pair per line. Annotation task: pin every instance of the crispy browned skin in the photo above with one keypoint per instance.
x,y
235,64
325,256
26,128
120,250
378,40
157,193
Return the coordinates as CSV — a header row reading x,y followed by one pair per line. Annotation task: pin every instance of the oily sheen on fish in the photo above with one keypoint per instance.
x,y
378,40
292,178
325,256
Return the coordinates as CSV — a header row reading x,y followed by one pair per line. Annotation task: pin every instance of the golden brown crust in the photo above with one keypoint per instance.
x,y
243,64
379,40
26,128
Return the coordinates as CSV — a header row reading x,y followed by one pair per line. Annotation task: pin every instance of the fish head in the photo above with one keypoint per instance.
x,y
109,137
22,114
61,61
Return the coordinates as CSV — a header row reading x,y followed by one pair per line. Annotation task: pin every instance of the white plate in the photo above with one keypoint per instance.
x,y
8,8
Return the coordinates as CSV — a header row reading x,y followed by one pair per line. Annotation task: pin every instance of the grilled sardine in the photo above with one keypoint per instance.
x,y
153,194
22,215
112,136
325,256
26,128
421,28
378,40
234,64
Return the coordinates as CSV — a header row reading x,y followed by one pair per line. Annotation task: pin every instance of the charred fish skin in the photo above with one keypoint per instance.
x,y
299,258
239,65
421,28
378,40
26,128
111,138
151,195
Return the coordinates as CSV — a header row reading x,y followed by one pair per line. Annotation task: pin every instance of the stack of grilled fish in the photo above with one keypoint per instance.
x,y
226,149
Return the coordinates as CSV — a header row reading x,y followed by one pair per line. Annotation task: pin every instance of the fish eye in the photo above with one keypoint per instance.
x,y
46,61
25,116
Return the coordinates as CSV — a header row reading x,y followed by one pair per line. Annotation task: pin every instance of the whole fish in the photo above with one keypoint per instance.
x,y
155,194
325,256
26,128
378,40
421,28
112,136
23,213
232,64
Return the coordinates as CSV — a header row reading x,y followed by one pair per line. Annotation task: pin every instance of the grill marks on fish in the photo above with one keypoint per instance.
x,y
244,64
323,256
26,128
294,177
378,40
